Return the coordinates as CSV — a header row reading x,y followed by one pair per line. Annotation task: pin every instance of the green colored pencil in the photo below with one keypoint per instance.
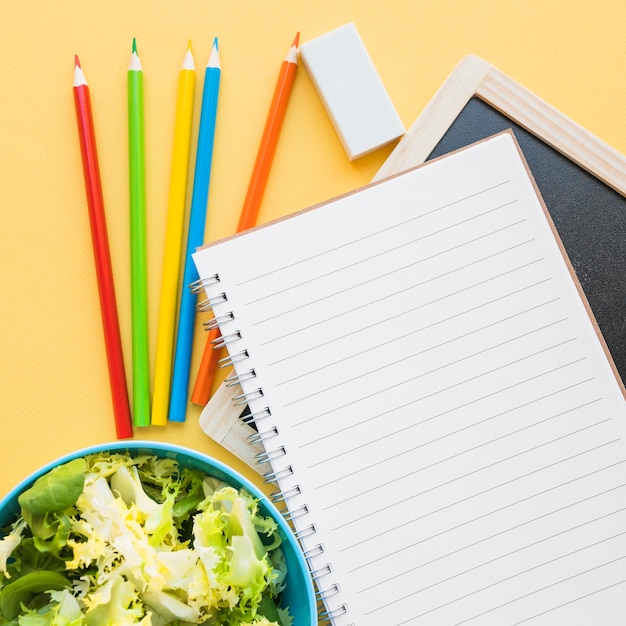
x,y
138,248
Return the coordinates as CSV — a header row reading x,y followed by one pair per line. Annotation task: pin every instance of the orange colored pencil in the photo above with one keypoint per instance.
x,y
258,181
269,140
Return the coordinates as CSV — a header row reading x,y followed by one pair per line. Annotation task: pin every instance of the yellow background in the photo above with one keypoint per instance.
x,y
55,394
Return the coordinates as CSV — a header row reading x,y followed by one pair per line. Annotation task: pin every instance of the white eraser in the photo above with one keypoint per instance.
x,y
352,92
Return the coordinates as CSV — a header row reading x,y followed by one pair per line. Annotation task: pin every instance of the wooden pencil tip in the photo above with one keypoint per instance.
x,y
134,45
214,57
296,41
79,75
188,63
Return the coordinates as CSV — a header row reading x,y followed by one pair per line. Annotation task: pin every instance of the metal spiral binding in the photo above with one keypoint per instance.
x,y
312,551
263,436
316,550
203,306
237,379
320,572
270,455
208,303
342,609
274,475
282,496
257,416
295,514
197,286
307,531
225,340
247,396
231,359
324,594
214,322
325,590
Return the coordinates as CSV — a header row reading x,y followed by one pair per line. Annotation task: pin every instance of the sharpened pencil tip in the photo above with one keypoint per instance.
x,y
214,57
135,62
188,63
296,41
79,75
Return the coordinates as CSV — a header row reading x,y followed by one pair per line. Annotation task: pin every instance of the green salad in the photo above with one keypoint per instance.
x,y
114,539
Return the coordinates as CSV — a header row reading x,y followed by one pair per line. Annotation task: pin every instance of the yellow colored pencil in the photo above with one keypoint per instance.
x,y
173,242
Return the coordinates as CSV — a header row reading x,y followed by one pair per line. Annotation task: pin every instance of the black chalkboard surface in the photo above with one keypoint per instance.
x,y
589,216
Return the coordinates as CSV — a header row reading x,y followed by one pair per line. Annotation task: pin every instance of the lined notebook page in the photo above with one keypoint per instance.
x,y
442,401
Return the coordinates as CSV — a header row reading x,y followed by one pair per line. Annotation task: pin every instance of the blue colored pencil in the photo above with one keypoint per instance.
x,y
195,237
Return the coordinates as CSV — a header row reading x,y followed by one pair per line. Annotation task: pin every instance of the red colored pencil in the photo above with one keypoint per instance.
x,y
258,181
104,271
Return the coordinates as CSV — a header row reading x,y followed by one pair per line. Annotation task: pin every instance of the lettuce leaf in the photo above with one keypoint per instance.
x,y
115,539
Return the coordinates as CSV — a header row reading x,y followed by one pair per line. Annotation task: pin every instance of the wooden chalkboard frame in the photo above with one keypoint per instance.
x,y
472,78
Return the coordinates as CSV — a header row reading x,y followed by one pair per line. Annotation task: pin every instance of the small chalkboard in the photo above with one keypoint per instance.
x,y
582,181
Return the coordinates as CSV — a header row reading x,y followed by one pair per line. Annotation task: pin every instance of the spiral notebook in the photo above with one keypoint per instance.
x,y
436,404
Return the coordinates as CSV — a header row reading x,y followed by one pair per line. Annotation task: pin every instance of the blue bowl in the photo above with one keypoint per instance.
x,y
298,594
